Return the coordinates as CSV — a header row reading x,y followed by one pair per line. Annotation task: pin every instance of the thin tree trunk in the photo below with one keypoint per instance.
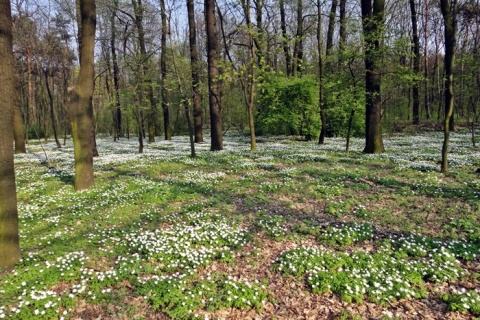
x,y
286,48
349,130
343,29
116,74
80,104
185,102
163,67
31,112
297,67
52,110
147,81
249,90
416,63
329,49
138,116
425,62
9,238
450,28
321,103
213,73
258,34
196,98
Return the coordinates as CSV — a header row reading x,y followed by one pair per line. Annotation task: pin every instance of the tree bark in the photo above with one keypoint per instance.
x,y
298,48
30,114
116,74
194,60
9,238
213,81
416,63
258,35
163,67
449,13
286,48
52,110
331,27
321,103
185,102
343,28
249,86
425,61
80,100
329,66
147,81
372,22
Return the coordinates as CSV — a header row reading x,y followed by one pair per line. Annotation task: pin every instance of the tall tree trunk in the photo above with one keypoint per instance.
x,y
52,110
31,113
331,27
297,67
372,21
425,61
116,73
321,103
185,101
196,98
343,28
163,67
449,13
329,49
258,35
80,104
213,81
416,63
286,47
9,238
249,86
147,81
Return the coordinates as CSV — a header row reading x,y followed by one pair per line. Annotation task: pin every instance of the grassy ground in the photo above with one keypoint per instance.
x,y
293,231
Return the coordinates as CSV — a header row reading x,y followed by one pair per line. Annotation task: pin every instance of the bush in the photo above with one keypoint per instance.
x,y
288,106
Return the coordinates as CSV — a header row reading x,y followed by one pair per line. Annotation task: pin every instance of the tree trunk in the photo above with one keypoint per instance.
x,y
163,67
425,61
259,34
416,64
298,48
249,86
286,48
372,21
147,81
116,74
213,81
331,27
329,49
80,104
196,98
9,238
185,102
30,114
343,28
321,103
449,12
52,110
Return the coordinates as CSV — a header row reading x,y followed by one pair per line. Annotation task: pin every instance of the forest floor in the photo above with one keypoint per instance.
x,y
292,231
